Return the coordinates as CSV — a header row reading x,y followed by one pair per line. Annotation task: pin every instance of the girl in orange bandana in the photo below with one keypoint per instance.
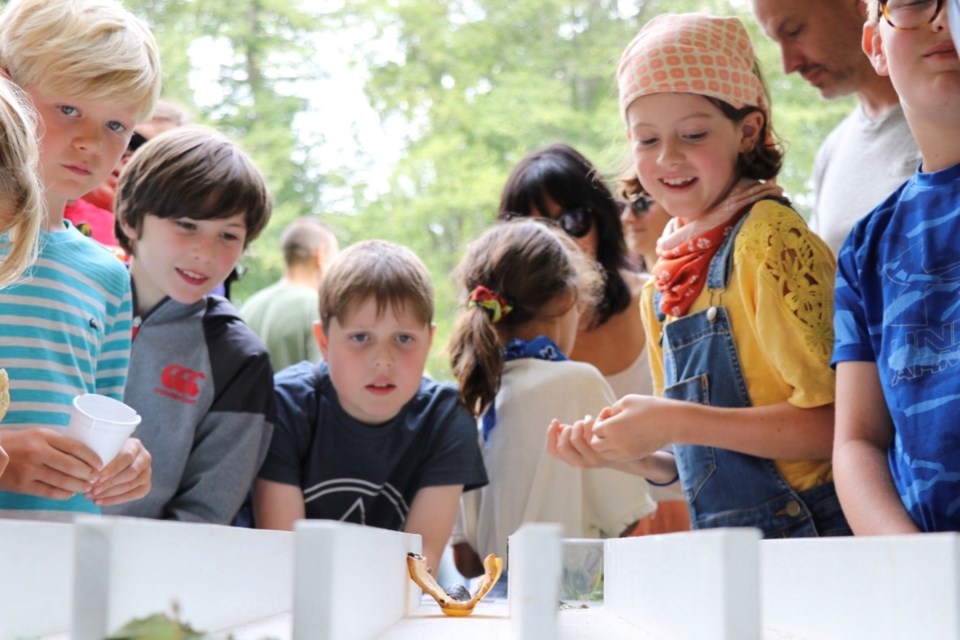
x,y
738,317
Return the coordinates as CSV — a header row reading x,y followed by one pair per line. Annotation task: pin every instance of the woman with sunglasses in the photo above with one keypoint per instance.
x,y
560,183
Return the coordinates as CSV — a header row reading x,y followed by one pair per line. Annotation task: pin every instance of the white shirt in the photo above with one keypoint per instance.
x,y
529,485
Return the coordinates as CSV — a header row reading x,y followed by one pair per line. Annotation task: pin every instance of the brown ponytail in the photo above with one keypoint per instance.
x,y
529,263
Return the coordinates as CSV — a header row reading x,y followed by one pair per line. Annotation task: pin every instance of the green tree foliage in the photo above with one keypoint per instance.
x,y
267,54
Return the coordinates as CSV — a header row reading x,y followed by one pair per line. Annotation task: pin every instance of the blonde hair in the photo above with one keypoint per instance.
x,y
528,262
94,49
21,194
383,271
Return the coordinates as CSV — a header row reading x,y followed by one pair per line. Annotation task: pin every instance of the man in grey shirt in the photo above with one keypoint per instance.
x,y
871,152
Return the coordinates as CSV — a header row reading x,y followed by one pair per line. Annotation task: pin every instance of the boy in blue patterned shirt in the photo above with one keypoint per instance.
x,y
897,311
92,72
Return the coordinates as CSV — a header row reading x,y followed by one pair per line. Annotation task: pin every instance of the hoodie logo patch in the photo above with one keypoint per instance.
x,y
180,383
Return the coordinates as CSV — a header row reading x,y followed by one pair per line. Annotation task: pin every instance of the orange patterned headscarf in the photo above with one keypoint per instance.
x,y
692,53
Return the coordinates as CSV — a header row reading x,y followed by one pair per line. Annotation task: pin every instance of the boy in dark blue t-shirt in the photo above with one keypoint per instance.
x,y
364,437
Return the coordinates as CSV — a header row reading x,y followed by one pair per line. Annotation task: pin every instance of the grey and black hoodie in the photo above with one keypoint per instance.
x,y
202,383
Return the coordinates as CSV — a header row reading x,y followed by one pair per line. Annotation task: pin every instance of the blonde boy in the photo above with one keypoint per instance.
x,y
897,317
92,72
363,436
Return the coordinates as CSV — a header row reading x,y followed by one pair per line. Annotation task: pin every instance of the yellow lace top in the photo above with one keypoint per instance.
x,y
780,302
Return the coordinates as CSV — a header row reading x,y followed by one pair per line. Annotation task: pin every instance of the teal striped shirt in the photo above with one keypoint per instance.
x,y
64,331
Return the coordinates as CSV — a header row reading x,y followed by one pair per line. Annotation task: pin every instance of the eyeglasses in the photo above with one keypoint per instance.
x,y
639,206
910,14
137,140
576,223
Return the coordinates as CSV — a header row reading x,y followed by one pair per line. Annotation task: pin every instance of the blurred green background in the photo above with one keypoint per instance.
x,y
400,119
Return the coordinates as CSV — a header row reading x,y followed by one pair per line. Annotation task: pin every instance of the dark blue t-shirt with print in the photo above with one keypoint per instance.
x,y
353,472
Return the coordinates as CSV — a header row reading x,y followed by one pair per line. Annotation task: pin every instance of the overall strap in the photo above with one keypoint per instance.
x,y
718,274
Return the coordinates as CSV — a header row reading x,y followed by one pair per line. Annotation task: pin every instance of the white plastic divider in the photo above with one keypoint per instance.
x,y
883,588
36,573
535,569
350,581
701,585
220,577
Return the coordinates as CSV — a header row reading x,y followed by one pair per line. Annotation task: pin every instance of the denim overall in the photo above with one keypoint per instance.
x,y
724,488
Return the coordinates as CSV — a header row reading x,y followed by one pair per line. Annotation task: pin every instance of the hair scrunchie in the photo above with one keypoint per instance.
x,y
495,304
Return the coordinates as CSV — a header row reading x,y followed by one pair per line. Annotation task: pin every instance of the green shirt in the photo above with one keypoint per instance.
x,y
283,316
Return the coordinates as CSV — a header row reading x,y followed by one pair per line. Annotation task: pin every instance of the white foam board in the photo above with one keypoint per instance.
x,y
221,577
36,575
879,588
702,585
350,581
534,574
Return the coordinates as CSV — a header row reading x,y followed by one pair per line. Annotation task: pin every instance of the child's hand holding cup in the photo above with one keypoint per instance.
x,y
101,423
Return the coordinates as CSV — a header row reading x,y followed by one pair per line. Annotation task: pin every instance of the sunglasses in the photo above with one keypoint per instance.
x,y
137,140
639,206
576,223
910,14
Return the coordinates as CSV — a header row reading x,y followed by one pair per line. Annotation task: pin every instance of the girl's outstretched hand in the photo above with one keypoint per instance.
x,y
571,443
634,427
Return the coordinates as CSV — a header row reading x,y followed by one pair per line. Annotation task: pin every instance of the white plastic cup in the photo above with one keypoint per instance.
x,y
101,423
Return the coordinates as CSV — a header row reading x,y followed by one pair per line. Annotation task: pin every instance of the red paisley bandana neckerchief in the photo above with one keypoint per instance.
x,y
686,248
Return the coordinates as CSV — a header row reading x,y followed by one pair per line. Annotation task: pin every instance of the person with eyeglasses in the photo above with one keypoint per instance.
x,y
643,221
559,183
871,152
896,316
